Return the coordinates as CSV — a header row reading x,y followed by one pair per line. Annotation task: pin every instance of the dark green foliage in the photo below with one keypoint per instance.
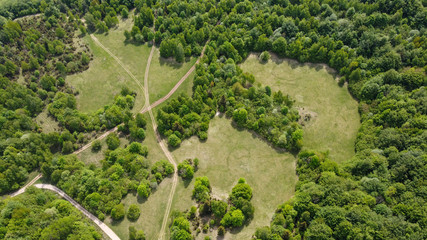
x,y
173,140
113,141
180,229
187,168
96,145
50,218
122,171
233,218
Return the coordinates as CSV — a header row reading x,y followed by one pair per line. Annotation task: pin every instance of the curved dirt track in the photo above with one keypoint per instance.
x,y
162,146
107,230
145,108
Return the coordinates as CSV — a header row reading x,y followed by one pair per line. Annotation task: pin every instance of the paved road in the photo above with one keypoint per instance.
x,y
107,230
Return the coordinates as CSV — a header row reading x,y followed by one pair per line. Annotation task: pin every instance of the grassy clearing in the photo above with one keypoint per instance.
x,y
47,123
134,57
90,157
103,80
229,154
164,74
314,89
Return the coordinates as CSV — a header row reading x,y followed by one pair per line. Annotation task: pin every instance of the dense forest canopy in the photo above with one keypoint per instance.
x,y
379,48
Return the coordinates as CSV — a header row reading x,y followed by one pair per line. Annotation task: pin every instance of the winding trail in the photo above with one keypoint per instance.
x,y
147,108
107,230
162,145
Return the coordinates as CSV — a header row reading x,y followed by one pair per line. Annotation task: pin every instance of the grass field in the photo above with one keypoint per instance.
x,y
47,123
229,154
164,74
316,90
134,57
102,81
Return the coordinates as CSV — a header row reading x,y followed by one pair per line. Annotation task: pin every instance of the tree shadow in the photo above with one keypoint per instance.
x,y
187,182
140,199
170,62
116,222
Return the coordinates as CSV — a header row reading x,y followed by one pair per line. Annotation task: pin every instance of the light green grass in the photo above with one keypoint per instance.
x,y
316,90
47,123
103,80
229,154
165,73
134,57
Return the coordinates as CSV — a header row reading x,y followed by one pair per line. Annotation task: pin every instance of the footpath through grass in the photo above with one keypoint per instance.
x,y
103,80
229,154
165,73
336,120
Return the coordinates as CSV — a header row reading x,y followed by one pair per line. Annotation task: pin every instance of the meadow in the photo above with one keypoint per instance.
x,y
104,79
229,154
315,89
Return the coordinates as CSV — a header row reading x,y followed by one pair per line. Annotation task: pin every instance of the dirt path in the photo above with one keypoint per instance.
x,y
161,143
107,230
110,233
145,108
117,60
22,190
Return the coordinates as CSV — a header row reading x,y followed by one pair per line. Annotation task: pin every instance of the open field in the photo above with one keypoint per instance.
x,y
314,89
164,74
102,81
229,154
134,57
47,123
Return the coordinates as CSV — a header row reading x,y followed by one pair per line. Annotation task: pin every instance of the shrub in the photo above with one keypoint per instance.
x,y
118,212
113,141
133,212
96,146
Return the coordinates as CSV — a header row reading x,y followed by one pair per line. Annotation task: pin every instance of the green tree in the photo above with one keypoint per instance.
x,y
133,212
240,116
179,53
219,208
173,140
144,190
96,145
113,141
118,212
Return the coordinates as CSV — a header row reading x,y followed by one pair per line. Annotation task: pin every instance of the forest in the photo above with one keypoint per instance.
x,y
377,47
